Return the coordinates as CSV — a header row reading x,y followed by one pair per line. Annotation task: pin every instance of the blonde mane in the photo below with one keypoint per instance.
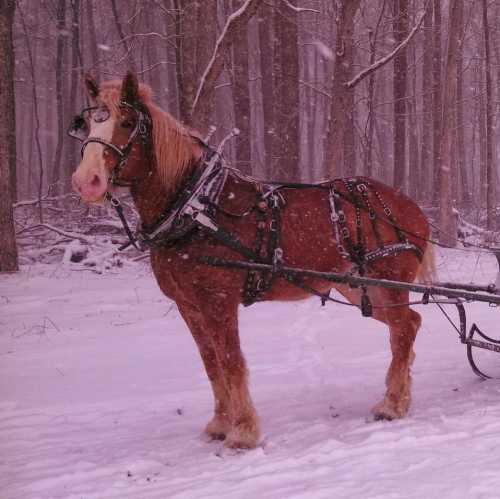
x,y
173,145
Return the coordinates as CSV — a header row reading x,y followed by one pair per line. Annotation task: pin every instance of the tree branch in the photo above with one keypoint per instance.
x,y
70,235
299,9
384,60
234,22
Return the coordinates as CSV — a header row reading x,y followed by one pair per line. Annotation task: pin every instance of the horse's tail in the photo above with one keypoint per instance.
x,y
426,273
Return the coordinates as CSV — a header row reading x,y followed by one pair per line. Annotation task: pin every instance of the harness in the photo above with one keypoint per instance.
x,y
198,203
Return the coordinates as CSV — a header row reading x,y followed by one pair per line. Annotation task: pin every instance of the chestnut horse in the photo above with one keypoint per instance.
x,y
133,143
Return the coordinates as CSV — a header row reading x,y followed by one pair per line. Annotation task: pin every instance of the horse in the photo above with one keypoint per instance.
x,y
194,208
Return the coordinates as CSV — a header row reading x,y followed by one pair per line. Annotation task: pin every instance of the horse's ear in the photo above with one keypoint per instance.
x,y
91,85
130,88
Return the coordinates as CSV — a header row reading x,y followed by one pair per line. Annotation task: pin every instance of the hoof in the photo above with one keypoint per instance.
x,y
218,428
387,411
245,435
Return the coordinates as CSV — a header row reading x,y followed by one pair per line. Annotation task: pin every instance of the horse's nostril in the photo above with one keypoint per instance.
x,y
96,181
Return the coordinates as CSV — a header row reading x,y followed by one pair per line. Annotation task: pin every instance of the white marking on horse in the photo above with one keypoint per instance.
x,y
91,177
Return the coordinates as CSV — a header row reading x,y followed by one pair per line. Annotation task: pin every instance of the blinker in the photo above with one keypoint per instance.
x,y
79,128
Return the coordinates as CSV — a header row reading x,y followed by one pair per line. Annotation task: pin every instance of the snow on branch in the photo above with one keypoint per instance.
x,y
299,9
384,60
234,22
70,235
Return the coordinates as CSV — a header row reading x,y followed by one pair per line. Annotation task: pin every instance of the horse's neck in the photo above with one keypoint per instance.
x,y
152,198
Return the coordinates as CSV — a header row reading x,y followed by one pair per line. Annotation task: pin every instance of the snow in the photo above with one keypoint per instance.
x,y
103,395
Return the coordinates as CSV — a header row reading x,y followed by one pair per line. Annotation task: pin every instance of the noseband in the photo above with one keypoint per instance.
x,y
141,131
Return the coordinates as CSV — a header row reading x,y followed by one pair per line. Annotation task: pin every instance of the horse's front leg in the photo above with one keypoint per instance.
x,y
216,320
220,425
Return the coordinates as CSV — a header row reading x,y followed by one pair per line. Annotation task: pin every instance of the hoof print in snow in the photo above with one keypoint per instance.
x,y
217,436
383,417
333,414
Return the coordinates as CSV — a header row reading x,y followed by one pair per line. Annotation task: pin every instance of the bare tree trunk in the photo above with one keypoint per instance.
x,y
61,25
195,33
413,149
241,93
466,193
266,42
482,137
286,96
490,165
36,114
426,154
400,28
8,248
436,97
76,64
344,47
212,65
126,46
373,35
92,38
447,220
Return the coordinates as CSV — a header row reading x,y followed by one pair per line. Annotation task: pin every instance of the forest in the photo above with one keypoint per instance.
x,y
404,91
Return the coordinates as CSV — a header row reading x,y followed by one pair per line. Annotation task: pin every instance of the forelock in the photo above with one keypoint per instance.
x,y
110,95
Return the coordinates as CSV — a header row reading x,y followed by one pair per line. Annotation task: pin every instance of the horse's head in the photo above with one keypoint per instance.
x,y
116,135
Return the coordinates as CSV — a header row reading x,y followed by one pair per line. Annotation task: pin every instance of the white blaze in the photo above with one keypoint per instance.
x,y
91,177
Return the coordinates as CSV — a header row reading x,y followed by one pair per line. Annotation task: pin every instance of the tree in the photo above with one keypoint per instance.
x,y
266,37
8,249
341,94
241,96
195,39
400,28
448,233
490,167
426,154
60,93
286,95
198,104
436,100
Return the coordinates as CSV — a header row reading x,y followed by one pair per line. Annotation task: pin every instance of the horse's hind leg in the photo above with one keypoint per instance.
x,y
403,326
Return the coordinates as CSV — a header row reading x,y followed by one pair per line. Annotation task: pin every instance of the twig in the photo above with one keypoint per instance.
x,y
30,202
384,60
299,9
71,235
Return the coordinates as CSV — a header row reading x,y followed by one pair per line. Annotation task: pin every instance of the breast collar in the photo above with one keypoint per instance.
x,y
192,208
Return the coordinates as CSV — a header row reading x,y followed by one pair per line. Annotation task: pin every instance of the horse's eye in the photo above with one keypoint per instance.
x,y
126,124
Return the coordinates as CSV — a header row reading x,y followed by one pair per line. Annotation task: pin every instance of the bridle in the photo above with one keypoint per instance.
x,y
141,131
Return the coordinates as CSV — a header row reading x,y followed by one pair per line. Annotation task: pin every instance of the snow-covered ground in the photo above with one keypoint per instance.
x,y
103,395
